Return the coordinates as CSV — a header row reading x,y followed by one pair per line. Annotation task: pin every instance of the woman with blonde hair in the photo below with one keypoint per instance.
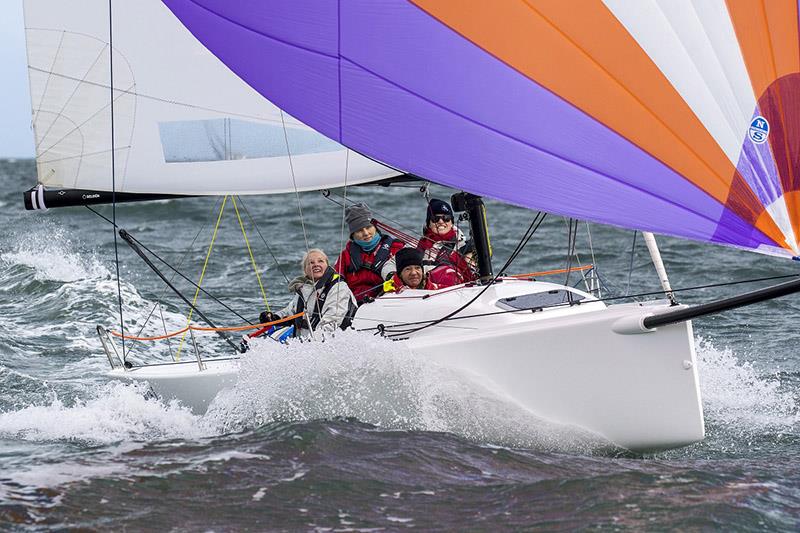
x,y
321,294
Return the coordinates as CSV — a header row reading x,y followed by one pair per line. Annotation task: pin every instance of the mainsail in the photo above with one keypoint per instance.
x,y
183,122
678,117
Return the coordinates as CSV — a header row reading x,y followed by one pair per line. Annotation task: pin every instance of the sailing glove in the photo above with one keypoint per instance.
x,y
266,316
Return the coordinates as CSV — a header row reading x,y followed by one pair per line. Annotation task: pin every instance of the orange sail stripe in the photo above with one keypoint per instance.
x,y
768,38
594,63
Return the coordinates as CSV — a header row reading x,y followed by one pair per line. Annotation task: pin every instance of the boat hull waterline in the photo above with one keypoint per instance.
x,y
588,365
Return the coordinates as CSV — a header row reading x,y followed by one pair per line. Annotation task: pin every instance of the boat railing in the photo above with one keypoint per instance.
x,y
108,346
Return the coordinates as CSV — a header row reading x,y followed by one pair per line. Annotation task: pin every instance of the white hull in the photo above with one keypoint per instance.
x,y
587,365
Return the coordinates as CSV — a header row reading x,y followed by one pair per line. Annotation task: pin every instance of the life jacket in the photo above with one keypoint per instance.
x,y
380,255
440,250
322,287
362,270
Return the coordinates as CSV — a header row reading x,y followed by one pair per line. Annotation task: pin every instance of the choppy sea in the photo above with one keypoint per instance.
x,y
358,434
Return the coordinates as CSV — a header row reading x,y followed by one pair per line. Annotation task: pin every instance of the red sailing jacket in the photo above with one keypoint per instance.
x,y
438,278
366,281
442,250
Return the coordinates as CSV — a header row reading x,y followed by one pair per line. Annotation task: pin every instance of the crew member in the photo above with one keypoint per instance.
x,y
368,259
411,274
443,244
321,294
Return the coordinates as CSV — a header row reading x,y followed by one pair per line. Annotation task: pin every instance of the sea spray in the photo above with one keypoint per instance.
x,y
379,382
116,412
736,395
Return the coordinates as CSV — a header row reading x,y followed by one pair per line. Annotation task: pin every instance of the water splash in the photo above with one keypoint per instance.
x,y
736,396
117,412
357,375
52,255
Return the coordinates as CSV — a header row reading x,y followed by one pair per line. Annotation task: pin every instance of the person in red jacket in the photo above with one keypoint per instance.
x,y
368,259
411,274
443,245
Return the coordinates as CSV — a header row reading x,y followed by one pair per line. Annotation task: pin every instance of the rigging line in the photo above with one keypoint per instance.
x,y
396,223
172,279
113,171
253,222
343,204
552,306
178,272
535,223
164,323
591,250
294,182
202,273
250,251
630,268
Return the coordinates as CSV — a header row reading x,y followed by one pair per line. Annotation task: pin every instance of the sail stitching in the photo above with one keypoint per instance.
x,y
49,75
157,98
555,155
69,98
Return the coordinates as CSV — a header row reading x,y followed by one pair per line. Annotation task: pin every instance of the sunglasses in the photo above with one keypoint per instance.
x,y
441,218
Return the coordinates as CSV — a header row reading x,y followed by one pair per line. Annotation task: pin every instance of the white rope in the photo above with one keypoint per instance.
x,y
344,201
294,182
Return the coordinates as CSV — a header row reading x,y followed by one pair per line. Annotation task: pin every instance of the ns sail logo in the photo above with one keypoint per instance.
x,y
759,130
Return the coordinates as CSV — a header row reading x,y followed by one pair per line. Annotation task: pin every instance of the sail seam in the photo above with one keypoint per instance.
x,y
271,37
156,98
559,157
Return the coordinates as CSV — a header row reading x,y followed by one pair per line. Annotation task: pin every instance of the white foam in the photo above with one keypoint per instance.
x,y
118,412
357,375
53,256
735,395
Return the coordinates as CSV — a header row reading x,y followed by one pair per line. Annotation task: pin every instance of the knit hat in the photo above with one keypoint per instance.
x,y
407,257
358,216
438,207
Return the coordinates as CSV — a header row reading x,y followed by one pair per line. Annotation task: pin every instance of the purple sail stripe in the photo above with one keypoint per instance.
x,y
310,25
474,154
292,77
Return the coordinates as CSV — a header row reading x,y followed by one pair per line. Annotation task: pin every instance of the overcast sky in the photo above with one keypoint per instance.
x,y
16,136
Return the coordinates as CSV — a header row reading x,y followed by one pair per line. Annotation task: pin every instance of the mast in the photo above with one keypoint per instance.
x,y
476,212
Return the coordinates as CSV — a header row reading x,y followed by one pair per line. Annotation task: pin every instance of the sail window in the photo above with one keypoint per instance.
x,y
228,139
539,300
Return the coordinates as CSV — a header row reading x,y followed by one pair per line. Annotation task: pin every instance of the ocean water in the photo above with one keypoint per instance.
x,y
356,434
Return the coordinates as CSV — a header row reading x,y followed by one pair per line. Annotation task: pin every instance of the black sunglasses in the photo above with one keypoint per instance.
x,y
441,218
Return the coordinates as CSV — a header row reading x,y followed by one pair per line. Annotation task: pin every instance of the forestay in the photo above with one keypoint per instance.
x,y
678,117
183,122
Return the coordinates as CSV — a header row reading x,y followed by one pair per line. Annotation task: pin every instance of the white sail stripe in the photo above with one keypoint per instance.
x,y
706,69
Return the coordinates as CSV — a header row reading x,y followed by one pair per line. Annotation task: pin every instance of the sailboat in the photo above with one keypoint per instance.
x,y
678,118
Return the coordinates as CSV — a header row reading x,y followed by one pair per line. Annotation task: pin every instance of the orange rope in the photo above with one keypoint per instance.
x,y
201,328
548,272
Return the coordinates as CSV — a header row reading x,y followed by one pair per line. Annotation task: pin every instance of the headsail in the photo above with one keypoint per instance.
x,y
183,122
678,117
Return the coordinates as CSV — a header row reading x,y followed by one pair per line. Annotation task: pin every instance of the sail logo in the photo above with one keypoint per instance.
x,y
759,130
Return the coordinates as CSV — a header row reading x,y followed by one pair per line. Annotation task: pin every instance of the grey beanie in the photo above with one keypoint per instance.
x,y
358,216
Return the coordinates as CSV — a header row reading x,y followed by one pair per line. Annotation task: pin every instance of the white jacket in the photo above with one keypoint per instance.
x,y
333,309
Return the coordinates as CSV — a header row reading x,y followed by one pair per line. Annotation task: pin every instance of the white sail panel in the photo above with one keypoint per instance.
x,y
183,122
